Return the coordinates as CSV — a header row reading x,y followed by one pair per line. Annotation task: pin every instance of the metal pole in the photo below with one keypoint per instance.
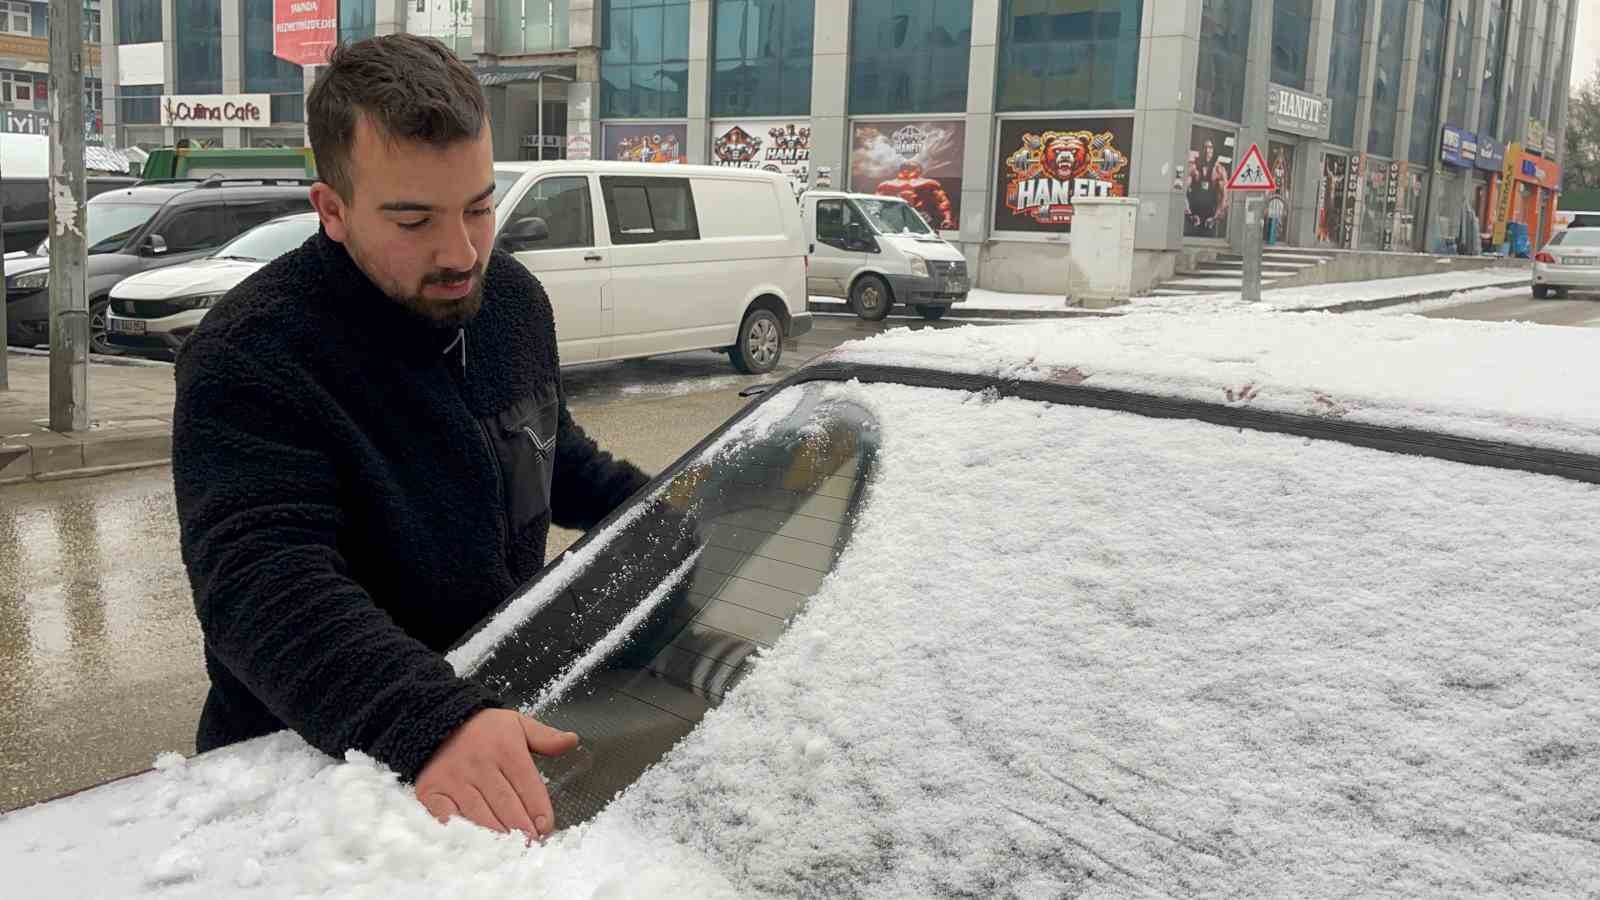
x,y
69,300
5,379
1253,203
540,80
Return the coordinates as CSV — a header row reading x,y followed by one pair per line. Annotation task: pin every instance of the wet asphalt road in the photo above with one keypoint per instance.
x,y
1578,310
100,665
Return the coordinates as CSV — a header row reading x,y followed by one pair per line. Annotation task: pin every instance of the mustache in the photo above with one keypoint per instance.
x,y
452,276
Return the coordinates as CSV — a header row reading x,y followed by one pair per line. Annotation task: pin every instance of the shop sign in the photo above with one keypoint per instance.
x,y
304,31
1542,172
782,146
1469,149
1391,204
217,110
1045,164
1298,112
1550,145
21,121
918,161
1491,154
1450,146
645,143
1352,205
579,147
1502,213
1535,136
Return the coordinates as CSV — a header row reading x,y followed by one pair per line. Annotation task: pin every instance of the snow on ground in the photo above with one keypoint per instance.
x,y
1322,296
685,386
1532,384
983,299
1460,298
1123,657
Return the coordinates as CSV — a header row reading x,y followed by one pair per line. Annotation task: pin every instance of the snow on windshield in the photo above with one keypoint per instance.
x,y
1066,650
1516,382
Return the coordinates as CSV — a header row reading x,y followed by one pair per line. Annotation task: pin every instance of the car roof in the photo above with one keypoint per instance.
x,y
609,167
193,191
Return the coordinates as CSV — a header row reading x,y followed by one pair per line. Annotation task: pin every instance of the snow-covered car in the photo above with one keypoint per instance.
x,y
1248,604
1571,261
158,310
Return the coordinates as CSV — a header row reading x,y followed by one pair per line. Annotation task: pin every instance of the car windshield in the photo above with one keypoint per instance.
x,y
270,241
503,182
893,217
112,224
1579,237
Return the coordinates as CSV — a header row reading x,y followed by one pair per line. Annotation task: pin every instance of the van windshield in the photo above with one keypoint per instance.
x,y
893,216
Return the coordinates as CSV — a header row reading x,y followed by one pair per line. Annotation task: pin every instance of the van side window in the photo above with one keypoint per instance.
x,y
198,227
647,210
563,204
833,222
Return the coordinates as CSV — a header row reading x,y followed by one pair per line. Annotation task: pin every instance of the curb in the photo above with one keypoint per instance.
x,y
48,456
99,358
972,312
1364,305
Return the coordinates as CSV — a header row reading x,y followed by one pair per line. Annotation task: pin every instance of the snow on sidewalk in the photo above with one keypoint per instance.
x,y
1325,296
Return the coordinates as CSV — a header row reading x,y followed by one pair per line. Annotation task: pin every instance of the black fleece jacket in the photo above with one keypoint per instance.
x,y
357,488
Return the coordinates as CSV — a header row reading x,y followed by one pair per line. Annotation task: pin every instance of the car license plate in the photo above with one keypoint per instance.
x,y
1577,260
127,326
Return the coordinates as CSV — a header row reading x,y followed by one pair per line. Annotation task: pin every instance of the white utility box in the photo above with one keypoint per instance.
x,y
1102,250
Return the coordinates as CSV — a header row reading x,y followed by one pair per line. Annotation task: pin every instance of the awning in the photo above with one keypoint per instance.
x,y
491,76
105,159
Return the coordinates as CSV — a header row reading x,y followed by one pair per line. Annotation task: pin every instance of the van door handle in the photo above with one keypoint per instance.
x,y
593,257
813,249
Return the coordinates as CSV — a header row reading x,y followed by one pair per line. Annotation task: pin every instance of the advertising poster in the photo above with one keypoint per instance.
x,y
304,31
1046,164
919,162
646,143
1330,200
1352,198
1280,159
776,146
1205,180
1376,205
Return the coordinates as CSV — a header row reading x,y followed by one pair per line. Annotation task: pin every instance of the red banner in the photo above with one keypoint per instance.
x,y
304,31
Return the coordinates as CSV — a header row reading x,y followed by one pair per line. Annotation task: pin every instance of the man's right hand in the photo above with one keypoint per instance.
x,y
484,772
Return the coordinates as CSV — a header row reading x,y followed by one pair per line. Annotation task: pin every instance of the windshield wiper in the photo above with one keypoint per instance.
x,y
240,258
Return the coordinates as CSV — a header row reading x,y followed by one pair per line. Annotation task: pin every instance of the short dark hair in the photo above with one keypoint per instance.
x,y
410,88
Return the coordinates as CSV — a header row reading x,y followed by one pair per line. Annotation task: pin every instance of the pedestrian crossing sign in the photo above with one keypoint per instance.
x,y
1252,174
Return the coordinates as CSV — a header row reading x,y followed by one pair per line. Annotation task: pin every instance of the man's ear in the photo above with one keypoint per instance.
x,y
331,208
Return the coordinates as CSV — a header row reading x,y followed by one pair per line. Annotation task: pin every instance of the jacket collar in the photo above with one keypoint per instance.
x,y
374,314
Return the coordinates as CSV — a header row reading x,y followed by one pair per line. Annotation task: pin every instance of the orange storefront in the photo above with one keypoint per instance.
x,y
1534,184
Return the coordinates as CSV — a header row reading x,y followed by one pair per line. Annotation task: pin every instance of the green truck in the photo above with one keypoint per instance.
x,y
251,162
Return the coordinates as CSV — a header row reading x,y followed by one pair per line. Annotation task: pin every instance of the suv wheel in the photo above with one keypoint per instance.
x,y
99,338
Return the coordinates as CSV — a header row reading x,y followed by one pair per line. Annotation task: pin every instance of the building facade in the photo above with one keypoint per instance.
x,y
25,68
1383,122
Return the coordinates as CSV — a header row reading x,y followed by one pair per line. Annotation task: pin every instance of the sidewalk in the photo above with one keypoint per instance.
x,y
1351,296
130,411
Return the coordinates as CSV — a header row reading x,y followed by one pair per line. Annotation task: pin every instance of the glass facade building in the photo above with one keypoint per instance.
x,y
644,65
761,57
1068,54
1224,46
199,52
909,56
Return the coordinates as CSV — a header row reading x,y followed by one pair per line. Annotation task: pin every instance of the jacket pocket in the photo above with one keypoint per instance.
x,y
524,438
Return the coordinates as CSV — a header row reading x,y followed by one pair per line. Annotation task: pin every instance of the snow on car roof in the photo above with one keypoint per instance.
x,y
1530,384
1065,650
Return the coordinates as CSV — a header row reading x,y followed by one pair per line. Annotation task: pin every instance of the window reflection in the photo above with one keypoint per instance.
x,y
763,524
909,57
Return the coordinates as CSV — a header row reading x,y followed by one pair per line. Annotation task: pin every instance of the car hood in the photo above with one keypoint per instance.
x,y
925,246
205,276
97,265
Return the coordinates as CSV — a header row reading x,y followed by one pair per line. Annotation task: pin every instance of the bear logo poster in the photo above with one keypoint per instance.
x,y
1045,166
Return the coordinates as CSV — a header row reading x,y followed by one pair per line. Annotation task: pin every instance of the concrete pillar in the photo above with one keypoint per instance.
x,y
1447,188
698,145
1308,153
830,92
486,24
1558,112
583,95
1518,63
232,62
1409,64
978,162
1169,61
1371,29
1253,130
110,77
169,52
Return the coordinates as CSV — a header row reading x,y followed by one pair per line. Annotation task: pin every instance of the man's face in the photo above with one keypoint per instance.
x,y
1211,151
419,221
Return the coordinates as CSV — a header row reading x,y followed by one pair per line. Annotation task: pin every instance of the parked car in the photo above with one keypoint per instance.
x,y
642,260
150,226
156,311
1570,261
1229,605
876,251
27,206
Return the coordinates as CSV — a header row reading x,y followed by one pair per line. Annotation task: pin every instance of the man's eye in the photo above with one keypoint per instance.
x,y
412,226
480,212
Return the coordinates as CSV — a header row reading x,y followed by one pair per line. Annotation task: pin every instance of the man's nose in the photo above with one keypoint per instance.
x,y
456,252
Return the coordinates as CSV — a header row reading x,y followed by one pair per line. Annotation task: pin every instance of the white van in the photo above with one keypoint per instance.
x,y
878,251
642,259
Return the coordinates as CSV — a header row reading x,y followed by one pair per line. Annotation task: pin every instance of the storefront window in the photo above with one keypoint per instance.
x,y
910,56
138,21
644,66
1344,78
199,28
1069,54
1376,204
267,74
1386,81
1430,72
1466,16
526,26
762,53
140,104
1494,65
357,19
1291,42
1224,43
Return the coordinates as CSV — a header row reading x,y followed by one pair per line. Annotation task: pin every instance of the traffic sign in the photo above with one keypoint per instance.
x,y
1252,174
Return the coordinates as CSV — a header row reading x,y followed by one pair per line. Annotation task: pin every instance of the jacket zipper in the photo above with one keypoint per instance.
x,y
501,518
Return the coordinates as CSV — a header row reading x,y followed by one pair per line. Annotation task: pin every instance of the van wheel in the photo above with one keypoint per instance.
x,y
931,312
870,298
760,343
1541,292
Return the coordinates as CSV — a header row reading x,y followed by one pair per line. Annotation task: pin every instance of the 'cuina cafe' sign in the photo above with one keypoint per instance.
x,y
217,110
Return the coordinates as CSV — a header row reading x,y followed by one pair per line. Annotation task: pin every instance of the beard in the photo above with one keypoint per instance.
x,y
443,313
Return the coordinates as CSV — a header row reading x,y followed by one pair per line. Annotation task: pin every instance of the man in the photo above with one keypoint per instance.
x,y
370,443
1207,176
